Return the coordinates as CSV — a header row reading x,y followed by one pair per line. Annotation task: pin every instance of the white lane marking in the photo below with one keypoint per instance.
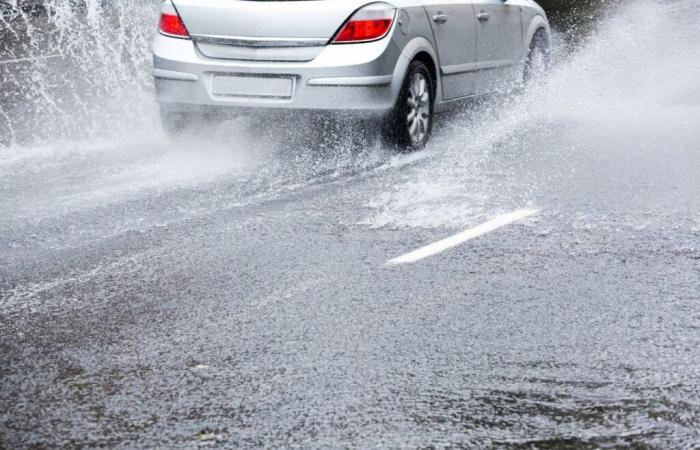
x,y
32,58
458,239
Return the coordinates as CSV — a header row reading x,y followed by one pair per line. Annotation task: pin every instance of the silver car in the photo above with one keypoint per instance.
x,y
398,62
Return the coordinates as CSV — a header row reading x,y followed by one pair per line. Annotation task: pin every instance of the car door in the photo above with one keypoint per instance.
x,y
454,28
499,43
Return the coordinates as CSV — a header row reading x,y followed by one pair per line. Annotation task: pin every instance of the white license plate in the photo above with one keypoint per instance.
x,y
252,86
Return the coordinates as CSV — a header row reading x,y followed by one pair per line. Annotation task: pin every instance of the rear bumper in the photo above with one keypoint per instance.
x,y
357,79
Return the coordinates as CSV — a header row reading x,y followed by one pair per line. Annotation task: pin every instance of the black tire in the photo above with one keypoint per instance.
x,y
398,129
181,124
538,59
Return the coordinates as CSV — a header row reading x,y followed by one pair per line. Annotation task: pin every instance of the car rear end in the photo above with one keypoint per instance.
x,y
261,55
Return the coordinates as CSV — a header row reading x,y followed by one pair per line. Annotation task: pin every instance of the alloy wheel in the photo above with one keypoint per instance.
x,y
418,102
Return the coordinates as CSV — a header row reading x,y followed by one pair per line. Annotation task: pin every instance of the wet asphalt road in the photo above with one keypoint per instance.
x,y
233,291
175,318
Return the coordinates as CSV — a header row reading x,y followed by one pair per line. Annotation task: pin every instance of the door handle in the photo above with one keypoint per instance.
x,y
440,18
483,16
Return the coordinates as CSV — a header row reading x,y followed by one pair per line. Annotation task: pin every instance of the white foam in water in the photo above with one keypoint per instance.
x,y
632,88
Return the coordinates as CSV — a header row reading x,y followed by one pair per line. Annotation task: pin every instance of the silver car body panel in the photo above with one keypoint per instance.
x,y
455,40
499,43
277,54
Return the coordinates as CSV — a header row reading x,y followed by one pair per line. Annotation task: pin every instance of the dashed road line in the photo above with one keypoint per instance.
x,y
458,239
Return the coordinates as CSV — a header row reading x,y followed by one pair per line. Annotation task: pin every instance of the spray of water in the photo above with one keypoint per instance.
x,y
623,107
75,69
626,90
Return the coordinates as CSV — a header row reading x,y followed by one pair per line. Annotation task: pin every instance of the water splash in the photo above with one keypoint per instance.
x,y
639,72
611,114
75,69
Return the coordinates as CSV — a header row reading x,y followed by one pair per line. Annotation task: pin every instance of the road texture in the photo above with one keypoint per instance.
x,y
234,291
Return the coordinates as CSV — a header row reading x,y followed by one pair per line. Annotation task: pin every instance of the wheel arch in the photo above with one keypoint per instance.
x,y
538,24
418,48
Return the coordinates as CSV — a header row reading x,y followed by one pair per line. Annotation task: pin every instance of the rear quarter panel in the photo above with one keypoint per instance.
x,y
413,35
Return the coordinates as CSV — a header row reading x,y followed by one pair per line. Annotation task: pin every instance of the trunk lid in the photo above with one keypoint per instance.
x,y
264,30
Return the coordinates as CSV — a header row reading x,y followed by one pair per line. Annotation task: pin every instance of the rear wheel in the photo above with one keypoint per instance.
x,y
410,124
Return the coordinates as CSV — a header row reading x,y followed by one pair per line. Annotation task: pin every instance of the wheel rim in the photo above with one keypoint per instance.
x,y
418,118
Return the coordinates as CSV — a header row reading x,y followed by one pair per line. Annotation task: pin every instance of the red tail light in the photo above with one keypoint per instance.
x,y
172,25
364,30
170,22
370,23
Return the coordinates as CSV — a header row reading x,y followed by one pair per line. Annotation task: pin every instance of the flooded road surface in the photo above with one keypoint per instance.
x,y
233,291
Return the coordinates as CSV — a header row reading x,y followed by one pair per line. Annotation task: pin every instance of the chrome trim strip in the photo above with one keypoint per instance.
x,y
171,75
476,67
260,42
382,80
